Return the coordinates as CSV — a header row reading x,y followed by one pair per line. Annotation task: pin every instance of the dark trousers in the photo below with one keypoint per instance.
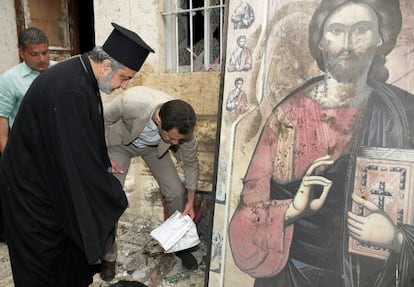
x,y
2,236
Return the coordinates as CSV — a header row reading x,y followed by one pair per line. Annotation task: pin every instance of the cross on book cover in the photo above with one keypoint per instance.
x,y
383,176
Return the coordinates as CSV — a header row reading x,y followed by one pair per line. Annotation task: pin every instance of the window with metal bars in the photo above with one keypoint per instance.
x,y
194,35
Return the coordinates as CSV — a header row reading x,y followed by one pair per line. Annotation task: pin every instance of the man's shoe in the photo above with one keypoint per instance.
x,y
187,259
107,270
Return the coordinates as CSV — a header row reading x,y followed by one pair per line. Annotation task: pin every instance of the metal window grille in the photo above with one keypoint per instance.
x,y
194,35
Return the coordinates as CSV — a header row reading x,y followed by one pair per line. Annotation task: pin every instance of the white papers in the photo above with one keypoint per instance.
x,y
176,233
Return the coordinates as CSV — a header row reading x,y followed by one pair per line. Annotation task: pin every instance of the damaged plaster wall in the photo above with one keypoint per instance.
x,y
8,49
142,17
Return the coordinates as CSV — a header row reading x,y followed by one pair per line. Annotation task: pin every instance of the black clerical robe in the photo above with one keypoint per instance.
x,y
61,200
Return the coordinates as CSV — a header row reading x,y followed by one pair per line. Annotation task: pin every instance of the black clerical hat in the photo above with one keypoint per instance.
x,y
126,47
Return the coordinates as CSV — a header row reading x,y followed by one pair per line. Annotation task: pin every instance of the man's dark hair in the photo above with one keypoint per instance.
x,y
389,21
178,114
31,35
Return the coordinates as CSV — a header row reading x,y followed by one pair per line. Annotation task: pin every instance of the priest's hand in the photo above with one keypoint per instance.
x,y
116,169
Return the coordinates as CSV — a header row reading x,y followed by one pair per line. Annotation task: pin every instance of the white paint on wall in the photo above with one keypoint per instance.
x,y
142,17
8,48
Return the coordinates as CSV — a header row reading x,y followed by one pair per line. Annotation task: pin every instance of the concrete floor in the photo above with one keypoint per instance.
x,y
139,258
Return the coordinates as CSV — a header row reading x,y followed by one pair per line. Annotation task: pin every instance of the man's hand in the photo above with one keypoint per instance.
x,y
304,204
189,206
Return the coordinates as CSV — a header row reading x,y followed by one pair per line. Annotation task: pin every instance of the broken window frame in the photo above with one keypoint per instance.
x,y
172,14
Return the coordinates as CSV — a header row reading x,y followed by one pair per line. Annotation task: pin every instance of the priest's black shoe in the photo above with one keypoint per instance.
x,y
187,259
107,270
124,283
2,236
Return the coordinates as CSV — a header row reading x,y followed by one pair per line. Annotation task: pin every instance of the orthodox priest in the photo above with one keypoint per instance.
x,y
60,198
